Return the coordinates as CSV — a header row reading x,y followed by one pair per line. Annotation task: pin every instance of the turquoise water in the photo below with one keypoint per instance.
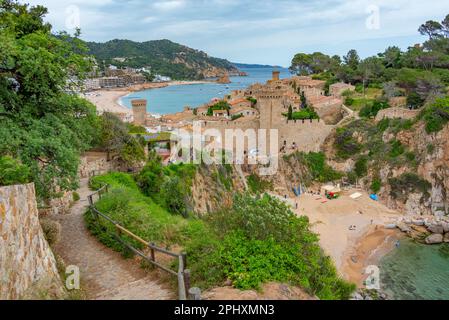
x,y
173,99
416,271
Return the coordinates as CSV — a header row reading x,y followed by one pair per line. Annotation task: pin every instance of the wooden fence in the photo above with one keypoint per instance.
x,y
182,274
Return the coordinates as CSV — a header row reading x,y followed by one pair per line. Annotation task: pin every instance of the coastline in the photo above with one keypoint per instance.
x,y
108,100
367,250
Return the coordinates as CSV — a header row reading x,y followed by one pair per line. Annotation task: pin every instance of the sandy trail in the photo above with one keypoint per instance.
x,y
105,274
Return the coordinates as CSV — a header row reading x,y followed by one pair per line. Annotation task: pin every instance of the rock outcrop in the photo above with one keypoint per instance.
x,y
434,239
27,264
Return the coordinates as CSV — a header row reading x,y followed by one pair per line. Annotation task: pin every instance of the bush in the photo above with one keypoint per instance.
x,y
396,149
408,183
114,179
52,231
75,196
371,110
151,177
346,145
257,185
318,168
436,116
13,172
261,240
361,167
376,185
174,196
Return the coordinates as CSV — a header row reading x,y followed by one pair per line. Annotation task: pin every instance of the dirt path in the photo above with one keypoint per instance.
x,y
105,274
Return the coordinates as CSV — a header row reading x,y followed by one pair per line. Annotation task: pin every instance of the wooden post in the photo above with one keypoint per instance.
x,y
152,257
184,260
187,279
181,283
195,294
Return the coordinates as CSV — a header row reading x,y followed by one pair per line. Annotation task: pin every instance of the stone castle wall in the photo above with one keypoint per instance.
x,y
307,135
26,260
397,113
94,161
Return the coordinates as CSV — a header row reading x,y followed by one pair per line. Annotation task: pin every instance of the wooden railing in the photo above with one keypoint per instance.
x,y
182,274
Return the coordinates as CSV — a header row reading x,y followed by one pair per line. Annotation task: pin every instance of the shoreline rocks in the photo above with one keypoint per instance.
x,y
427,229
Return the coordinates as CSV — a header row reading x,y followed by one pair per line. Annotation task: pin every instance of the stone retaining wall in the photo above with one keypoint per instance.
x,y
26,260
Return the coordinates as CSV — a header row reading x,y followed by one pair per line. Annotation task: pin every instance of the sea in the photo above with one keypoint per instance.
x,y
416,271
173,99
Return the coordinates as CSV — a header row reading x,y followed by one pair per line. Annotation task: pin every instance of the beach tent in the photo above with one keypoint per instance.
x,y
331,192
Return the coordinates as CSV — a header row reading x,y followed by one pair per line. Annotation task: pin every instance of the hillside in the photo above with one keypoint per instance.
x,y
163,56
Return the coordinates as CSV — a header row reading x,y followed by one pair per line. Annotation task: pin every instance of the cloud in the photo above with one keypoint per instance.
x,y
268,31
169,5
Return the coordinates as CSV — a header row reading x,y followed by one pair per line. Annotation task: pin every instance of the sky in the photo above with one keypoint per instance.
x,y
252,31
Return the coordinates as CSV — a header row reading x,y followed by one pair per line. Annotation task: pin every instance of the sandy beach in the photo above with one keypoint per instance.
x,y
351,250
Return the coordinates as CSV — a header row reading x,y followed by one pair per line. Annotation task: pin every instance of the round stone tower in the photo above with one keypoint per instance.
x,y
139,111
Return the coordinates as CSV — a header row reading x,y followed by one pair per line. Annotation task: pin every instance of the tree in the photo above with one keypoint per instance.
x,y
431,28
116,140
301,64
371,70
392,57
303,100
44,126
12,172
352,59
290,113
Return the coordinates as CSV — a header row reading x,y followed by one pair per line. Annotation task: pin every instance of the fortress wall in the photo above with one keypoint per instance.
x,y
397,113
331,114
27,263
308,135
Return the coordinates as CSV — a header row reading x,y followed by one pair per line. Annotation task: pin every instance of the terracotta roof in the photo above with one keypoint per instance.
x,y
237,101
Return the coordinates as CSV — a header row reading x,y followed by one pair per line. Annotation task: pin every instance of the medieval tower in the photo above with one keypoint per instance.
x,y
139,111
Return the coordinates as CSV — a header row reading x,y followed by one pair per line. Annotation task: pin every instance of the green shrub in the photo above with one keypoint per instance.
x,y
436,115
408,183
345,143
396,149
175,196
261,240
318,167
349,101
258,185
151,177
376,185
75,196
371,110
410,156
361,167
430,148
114,179
13,172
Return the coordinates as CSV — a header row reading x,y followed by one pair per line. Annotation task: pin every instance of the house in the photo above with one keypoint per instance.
x,y
220,113
337,89
243,110
240,103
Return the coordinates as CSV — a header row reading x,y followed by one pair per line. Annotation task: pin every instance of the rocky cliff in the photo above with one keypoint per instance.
x,y
410,166
27,264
